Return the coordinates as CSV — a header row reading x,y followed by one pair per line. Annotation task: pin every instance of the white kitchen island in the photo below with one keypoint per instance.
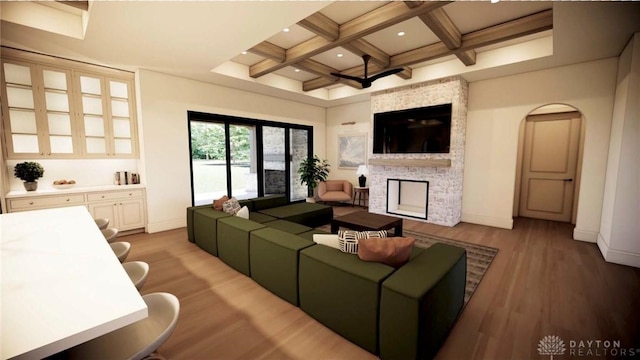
x,y
61,283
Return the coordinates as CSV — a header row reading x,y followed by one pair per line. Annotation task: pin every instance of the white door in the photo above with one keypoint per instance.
x,y
549,167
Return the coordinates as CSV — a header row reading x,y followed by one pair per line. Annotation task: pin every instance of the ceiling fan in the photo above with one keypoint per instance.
x,y
366,81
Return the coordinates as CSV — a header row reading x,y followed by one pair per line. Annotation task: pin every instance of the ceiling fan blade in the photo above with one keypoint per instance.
x,y
348,77
385,73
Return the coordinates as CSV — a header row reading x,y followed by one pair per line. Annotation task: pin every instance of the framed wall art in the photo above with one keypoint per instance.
x,y
352,150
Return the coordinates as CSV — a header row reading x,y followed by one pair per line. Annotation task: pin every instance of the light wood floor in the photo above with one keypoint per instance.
x,y
541,283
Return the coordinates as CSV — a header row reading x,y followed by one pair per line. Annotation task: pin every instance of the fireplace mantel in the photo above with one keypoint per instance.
x,y
411,162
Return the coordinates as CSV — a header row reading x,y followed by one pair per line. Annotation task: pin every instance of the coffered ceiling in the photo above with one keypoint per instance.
x,y
204,40
395,35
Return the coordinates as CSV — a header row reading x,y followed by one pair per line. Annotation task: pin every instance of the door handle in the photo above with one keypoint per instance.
x,y
569,180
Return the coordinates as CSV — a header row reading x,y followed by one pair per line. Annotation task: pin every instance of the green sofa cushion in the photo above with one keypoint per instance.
x,y
260,217
269,201
274,261
205,228
233,242
342,292
288,226
309,214
424,298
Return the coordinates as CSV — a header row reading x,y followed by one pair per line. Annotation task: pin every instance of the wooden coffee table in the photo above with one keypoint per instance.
x,y
363,220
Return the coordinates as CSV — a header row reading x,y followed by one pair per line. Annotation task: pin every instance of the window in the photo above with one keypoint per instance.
x,y
245,158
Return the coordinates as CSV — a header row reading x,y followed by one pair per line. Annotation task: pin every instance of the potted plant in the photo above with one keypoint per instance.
x,y
29,172
312,171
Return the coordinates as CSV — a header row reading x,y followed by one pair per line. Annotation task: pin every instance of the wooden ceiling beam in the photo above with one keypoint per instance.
x,y
444,28
270,51
380,18
316,68
502,32
322,25
523,26
361,47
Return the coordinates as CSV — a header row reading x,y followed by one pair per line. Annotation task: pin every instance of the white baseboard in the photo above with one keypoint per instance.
x,y
616,256
166,225
506,223
585,235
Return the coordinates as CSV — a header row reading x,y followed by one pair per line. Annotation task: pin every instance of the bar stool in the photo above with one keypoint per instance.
x,y
138,340
121,249
137,271
110,234
102,223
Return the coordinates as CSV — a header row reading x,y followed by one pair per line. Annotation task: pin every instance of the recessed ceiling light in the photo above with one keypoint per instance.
x,y
401,33
296,70
285,29
244,53
495,1
340,55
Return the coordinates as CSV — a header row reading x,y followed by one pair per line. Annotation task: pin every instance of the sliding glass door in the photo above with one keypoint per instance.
x,y
246,158
208,161
299,149
243,162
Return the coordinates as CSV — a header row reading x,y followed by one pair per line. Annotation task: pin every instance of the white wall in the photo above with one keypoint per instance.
x,y
619,239
360,113
164,102
496,109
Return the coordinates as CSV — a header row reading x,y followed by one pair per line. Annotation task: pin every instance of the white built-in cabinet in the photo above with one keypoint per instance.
x,y
61,109
125,209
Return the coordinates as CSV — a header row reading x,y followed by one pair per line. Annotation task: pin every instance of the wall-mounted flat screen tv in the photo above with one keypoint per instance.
x,y
413,131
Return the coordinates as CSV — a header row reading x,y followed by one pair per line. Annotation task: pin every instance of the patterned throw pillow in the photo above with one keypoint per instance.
x,y
348,239
217,204
231,206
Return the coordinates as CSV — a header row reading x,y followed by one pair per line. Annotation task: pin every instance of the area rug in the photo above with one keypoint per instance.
x,y
479,257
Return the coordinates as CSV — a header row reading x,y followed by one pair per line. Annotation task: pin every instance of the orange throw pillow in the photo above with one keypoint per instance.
x,y
217,204
392,251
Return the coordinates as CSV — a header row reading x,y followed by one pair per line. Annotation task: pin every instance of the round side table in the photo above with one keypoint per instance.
x,y
361,194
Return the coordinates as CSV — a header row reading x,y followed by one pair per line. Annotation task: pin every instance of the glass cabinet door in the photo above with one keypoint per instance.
x,y
106,111
39,120
61,134
21,123
93,115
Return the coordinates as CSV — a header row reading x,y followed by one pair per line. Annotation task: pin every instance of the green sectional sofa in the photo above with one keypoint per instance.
x,y
403,313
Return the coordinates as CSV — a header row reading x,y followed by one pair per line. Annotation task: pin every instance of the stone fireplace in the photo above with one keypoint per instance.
x,y
442,172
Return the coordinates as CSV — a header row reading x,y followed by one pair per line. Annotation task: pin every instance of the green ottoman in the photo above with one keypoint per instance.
x,y
423,298
288,226
205,221
274,261
342,292
233,242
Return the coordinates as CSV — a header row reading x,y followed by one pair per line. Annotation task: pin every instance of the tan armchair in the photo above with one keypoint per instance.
x,y
335,191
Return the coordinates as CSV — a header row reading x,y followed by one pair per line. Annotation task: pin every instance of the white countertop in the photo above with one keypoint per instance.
x,y
61,284
76,189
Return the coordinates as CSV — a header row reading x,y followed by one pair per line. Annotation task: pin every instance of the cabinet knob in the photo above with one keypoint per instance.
x,y
102,196
68,200
30,202
130,194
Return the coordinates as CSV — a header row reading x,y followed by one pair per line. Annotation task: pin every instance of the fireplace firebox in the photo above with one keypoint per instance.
x,y
408,198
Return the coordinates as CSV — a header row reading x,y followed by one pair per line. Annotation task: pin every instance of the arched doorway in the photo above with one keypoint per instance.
x,y
549,163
